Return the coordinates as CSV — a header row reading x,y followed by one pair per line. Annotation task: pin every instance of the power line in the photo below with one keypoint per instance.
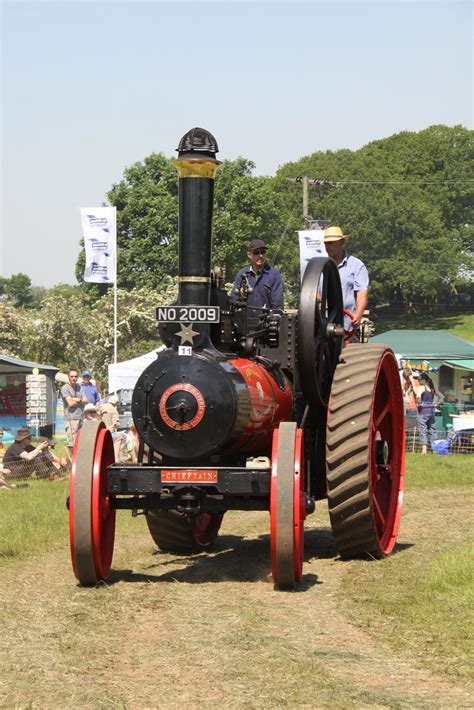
x,y
339,183
306,181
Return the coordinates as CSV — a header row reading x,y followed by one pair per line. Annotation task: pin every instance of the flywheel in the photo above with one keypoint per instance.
x,y
320,330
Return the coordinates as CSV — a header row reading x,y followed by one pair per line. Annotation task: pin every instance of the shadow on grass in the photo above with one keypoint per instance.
x,y
234,559
319,544
368,557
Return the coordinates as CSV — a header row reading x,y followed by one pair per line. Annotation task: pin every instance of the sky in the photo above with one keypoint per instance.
x,y
88,88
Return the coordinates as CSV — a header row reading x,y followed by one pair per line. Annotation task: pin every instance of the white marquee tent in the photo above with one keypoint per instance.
x,y
124,375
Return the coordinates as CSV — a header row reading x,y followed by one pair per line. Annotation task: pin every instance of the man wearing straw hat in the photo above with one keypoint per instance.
x,y
352,271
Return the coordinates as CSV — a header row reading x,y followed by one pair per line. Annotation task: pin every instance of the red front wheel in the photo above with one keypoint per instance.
x,y
287,506
91,516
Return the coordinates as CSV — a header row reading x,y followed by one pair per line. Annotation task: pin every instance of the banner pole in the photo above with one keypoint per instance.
x,y
115,292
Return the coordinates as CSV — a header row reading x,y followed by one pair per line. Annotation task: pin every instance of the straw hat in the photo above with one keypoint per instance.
x,y
90,407
334,234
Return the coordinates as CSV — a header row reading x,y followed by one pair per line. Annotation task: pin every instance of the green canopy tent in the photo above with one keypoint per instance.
x,y
452,358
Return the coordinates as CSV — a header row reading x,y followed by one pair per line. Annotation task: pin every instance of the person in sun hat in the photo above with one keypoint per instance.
x,y
109,413
353,274
22,459
258,284
90,412
89,388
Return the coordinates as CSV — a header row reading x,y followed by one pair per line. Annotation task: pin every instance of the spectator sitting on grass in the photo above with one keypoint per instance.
x,y
22,459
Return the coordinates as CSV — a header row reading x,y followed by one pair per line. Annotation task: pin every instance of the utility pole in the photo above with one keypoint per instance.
x,y
305,199
306,181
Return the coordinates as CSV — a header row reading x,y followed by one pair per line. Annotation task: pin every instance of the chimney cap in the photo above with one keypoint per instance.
x,y
196,143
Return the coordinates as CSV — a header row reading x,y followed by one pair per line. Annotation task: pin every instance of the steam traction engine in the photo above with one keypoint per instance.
x,y
246,409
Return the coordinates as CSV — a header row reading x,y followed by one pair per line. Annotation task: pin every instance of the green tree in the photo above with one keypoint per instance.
x,y
17,331
17,289
407,202
73,330
146,199
38,293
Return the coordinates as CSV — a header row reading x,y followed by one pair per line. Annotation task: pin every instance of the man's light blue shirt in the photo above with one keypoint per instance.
x,y
354,277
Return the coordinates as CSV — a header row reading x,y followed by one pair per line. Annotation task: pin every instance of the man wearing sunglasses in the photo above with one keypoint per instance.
x,y
258,284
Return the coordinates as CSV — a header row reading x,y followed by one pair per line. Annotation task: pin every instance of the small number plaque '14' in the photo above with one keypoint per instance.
x,y
187,314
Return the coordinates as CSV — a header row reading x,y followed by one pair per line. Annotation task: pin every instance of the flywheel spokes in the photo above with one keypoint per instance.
x,y
320,329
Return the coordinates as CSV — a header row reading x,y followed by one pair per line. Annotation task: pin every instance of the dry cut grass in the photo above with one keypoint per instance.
x,y
209,630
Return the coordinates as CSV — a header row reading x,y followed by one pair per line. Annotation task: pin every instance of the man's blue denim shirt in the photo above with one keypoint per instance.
x,y
267,287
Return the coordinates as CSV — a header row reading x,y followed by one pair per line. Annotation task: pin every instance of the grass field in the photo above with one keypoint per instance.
x,y
418,602
459,324
33,519
429,594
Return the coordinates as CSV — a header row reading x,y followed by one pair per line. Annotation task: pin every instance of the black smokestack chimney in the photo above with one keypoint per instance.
x,y
197,165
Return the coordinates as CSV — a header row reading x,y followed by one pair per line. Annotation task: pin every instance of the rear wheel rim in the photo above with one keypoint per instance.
x,y
365,451
386,479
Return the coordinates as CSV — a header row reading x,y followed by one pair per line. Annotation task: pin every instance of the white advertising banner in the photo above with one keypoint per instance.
x,y
99,228
311,245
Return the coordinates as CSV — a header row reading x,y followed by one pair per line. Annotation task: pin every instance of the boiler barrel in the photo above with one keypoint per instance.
x,y
188,408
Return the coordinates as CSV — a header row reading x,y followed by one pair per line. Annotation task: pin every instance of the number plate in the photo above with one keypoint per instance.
x,y
188,476
188,314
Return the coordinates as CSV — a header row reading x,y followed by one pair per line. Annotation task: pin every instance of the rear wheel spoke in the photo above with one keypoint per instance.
x,y
381,416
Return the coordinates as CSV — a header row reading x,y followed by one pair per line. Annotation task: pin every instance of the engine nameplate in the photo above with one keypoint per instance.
x,y
188,476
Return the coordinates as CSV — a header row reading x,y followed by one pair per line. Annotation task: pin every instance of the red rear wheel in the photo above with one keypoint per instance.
x,y
365,462
91,517
176,532
204,529
287,506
